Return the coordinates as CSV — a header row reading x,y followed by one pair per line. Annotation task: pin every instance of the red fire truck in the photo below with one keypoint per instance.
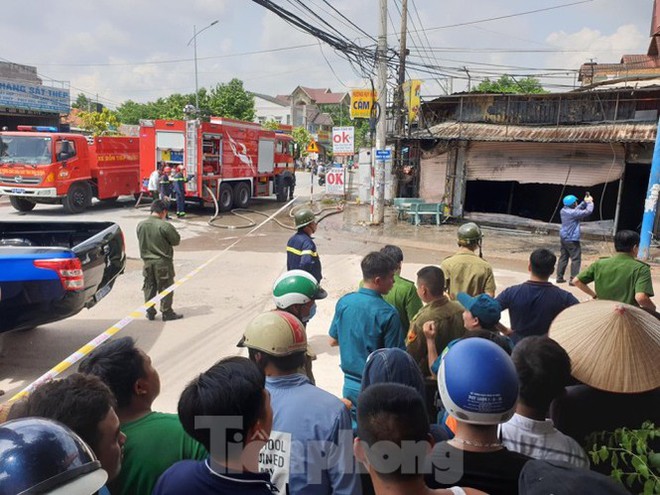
x,y
41,165
225,160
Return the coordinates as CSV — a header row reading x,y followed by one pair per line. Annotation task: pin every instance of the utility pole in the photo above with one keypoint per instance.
x,y
399,104
651,203
378,197
401,117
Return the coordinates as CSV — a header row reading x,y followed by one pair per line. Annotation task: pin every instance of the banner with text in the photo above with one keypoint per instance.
x,y
334,181
343,141
362,101
18,94
412,98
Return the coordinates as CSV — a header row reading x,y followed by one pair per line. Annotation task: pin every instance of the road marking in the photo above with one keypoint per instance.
x,y
137,313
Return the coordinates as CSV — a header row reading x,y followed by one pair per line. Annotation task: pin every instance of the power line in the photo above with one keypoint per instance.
x,y
180,60
508,16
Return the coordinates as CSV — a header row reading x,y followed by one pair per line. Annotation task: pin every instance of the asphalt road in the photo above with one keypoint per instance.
x,y
217,303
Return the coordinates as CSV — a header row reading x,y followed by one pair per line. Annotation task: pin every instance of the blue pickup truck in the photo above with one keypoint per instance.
x,y
52,270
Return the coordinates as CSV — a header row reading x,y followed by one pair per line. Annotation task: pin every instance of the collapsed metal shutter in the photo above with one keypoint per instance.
x,y
576,164
433,173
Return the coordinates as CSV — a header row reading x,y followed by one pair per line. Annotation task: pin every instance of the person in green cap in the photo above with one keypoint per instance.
x,y
296,292
464,270
301,249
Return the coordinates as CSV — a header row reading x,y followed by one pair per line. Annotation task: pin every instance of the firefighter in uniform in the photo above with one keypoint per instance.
x,y
157,239
301,249
465,271
296,292
179,186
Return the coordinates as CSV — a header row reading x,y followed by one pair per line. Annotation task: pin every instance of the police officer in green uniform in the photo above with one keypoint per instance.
x,y
157,239
465,271
403,295
621,277
447,315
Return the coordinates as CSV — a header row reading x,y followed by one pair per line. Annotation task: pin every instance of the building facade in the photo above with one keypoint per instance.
x,y
26,100
510,159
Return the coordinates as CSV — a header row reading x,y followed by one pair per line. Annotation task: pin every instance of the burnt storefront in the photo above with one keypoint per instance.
x,y
499,172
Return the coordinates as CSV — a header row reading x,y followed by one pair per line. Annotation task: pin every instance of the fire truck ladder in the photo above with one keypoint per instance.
x,y
191,153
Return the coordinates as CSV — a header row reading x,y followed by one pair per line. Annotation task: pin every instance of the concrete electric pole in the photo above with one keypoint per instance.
x,y
378,196
399,103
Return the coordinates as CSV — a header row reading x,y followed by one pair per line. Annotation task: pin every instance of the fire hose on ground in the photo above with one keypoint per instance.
x,y
240,212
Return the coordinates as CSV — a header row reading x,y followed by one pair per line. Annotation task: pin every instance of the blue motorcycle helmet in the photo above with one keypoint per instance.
x,y
478,383
42,456
570,200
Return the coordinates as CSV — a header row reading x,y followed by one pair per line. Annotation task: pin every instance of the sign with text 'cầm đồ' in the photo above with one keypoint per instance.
x,y
362,102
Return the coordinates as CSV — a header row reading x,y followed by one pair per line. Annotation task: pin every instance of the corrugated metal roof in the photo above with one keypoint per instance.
x,y
638,62
596,133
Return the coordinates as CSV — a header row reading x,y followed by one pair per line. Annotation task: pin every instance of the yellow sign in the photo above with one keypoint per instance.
x,y
312,147
362,101
411,97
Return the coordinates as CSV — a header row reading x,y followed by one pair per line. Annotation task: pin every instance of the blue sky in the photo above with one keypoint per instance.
x,y
137,50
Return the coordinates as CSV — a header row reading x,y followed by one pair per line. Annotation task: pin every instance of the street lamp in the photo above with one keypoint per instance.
x,y
193,40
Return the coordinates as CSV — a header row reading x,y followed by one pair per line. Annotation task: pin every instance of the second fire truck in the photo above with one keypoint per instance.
x,y
226,160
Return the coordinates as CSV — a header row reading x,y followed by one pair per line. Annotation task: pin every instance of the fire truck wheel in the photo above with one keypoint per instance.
x,y
78,198
241,195
21,204
225,197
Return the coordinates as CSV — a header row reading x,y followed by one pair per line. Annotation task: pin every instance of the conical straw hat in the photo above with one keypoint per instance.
x,y
612,346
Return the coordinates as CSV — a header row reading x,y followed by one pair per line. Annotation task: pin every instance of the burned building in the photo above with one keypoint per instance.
x,y
509,159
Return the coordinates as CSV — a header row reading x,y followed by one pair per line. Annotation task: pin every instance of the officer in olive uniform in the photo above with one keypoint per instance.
x,y
621,277
465,271
157,239
301,249
403,295
447,315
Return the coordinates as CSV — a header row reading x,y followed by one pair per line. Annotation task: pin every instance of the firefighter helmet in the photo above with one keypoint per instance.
x,y
296,287
304,217
570,200
180,168
40,455
167,170
277,333
469,233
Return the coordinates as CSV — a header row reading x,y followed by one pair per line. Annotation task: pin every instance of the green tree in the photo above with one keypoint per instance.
x,y
508,84
82,103
272,125
301,138
231,100
100,123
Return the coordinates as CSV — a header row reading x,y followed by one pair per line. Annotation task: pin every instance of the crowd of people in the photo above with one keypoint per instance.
x,y
439,396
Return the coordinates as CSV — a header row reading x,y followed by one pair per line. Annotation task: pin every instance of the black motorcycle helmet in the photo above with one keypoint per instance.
x,y
42,456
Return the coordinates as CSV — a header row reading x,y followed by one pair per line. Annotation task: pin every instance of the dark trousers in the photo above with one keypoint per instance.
x,y
158,276
180,201
572,250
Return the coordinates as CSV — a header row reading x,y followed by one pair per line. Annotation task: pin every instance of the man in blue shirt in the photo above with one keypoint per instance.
x,y
569,234
226,409
364,321
534,304
310,447
301,251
